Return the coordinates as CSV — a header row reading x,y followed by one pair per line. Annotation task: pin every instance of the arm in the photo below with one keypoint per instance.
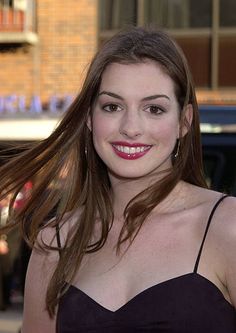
x,y
229,246
40,269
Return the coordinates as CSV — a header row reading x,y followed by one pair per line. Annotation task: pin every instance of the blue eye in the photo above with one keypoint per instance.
x,y
111,107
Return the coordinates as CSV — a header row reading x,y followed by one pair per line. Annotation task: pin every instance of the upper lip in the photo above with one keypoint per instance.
x,y
128,144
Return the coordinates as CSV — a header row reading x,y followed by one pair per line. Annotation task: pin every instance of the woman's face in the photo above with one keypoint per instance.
x,y
135,119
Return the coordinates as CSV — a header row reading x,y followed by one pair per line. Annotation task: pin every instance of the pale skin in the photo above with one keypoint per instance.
x,y
168,243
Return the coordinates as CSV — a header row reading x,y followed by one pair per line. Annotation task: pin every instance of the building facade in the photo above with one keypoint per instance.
x,y
46,45
46,56
205,29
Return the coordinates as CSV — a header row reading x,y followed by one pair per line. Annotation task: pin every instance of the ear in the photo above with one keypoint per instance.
x,y
186,120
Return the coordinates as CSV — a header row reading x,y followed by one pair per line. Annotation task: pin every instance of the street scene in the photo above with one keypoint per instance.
x,y
46,51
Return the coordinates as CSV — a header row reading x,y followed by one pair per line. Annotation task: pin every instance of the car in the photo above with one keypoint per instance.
x,y
218,128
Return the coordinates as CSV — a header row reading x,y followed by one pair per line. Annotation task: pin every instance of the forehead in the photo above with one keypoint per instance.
x,y
140,77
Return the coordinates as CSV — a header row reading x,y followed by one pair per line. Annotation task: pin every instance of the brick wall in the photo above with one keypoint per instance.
x,y
67,33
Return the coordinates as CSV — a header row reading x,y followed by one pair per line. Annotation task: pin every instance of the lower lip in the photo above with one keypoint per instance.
x,y
126,156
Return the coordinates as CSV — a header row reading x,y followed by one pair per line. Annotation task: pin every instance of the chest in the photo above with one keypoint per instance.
x,y
186,304
151,288
158,253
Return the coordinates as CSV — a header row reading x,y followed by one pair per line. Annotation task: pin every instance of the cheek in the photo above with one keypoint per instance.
x,y
165,130
101,129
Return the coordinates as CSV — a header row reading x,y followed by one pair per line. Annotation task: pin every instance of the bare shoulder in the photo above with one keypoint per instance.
x,y
228,209
223,224
203,197
225,236
220,246
54,235
225,220
41,268
222,207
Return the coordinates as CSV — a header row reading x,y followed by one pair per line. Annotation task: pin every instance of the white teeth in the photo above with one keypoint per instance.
x,y
131,150
126,150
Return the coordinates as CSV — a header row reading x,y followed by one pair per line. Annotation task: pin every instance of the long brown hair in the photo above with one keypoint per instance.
x,y
87,186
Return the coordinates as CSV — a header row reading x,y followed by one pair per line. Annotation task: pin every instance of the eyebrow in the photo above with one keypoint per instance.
x,y
148,98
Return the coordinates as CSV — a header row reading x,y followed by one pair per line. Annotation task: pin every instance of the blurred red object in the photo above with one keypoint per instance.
x,y
23,195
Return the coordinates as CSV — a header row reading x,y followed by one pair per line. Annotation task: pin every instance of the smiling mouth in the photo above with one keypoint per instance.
x,y
130,152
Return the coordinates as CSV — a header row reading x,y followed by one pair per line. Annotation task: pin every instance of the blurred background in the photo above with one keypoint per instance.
x,y
45,48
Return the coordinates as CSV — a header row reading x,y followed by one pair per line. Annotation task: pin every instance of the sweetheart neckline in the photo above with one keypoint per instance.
x,y
148,289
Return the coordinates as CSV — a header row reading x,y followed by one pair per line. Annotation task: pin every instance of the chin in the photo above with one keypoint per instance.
x,y
131,174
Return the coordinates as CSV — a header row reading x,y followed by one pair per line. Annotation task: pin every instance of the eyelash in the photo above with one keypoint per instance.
x,y
111,105
158,110
108,108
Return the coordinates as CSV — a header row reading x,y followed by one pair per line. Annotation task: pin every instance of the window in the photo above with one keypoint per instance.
x,y
117,13
227,13
205,29
17,16
177,14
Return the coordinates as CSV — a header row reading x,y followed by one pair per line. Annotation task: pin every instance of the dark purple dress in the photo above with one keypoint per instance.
x,y
189,303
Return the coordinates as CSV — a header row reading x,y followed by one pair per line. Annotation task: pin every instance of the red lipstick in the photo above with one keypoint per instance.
x,y
130,151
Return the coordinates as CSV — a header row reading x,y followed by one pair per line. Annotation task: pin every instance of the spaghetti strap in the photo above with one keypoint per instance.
x,y
206,231
58,238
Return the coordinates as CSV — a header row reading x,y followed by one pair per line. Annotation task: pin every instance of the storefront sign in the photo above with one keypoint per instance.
x,y
14,105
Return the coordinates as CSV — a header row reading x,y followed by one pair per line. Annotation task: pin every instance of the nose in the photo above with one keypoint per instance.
x,y
131,125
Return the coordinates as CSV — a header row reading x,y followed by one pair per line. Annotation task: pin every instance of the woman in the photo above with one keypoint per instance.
x,y
130,248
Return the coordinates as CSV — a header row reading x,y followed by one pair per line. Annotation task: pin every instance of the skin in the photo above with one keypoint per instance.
x,y
174,229
136,105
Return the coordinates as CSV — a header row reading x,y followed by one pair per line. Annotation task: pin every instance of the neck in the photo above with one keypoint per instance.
x,y
124,190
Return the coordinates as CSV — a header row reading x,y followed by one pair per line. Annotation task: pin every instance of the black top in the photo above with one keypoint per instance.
x,y
187,303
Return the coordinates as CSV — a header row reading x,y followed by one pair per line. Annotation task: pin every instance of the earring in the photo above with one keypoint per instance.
x,y
177,150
